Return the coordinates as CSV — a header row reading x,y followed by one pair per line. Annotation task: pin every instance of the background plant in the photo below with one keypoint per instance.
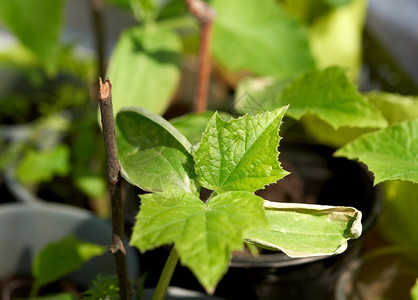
x,y
49,124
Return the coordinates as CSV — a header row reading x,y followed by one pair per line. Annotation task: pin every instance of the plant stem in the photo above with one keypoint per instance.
x,y
96,8
166,275
113,170
205,15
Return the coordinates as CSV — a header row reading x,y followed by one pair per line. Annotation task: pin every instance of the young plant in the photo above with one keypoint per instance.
x,y
233,160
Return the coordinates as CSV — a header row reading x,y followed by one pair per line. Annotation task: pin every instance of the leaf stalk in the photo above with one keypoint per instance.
x,y
166,275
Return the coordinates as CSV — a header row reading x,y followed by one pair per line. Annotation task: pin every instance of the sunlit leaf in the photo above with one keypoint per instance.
x,y
193,125
260,37
323,133
144,68
336,37
303,230
390,153
394,107
204,234
153,154
240,154
329,95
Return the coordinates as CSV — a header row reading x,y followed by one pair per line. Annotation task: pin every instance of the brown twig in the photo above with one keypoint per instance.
x,y
205,15
113,170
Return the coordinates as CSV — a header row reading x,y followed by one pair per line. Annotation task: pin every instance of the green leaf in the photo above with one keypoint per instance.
x,y
153,154
144,10
323,133
193,125
390,153
240,154
204,234
37,24
41,166
414,291
305,230
144,68
337,3
330,95
310,10
60,296
327,46
259,36
61,258
173,9
258,95
398,221
396,108
92,185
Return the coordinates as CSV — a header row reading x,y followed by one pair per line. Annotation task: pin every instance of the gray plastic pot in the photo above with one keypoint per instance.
x,y
28,226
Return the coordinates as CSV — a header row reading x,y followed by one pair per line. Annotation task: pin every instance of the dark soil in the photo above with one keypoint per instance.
x,y
290,189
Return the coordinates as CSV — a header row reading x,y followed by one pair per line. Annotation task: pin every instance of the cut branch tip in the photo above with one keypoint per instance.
x,y
105,89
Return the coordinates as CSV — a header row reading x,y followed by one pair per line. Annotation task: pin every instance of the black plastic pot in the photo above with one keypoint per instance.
x,y
330,180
